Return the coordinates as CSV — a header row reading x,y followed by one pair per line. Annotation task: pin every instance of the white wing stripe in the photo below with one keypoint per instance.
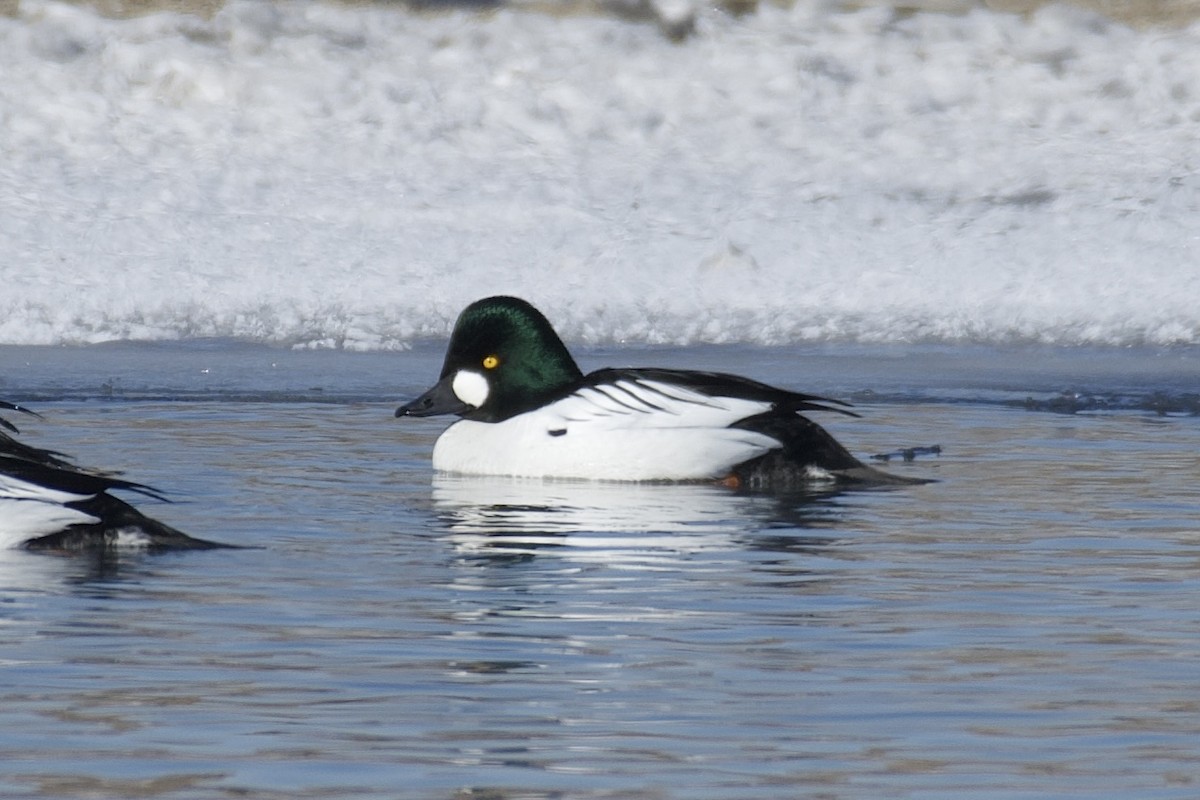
x,y
629,393
644,405
599,403
17,489
612,400
646,397
680,394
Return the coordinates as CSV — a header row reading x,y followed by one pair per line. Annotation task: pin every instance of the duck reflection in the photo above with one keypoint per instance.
x,y
498,516
96,573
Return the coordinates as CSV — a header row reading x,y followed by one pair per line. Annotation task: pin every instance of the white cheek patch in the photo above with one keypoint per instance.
x,y
470,387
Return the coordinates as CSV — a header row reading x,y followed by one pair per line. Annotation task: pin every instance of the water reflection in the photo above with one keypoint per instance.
x,y
495,516
84,573
645,618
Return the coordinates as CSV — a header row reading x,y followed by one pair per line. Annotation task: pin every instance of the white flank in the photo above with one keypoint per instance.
x,y
628,431
22,520
29,510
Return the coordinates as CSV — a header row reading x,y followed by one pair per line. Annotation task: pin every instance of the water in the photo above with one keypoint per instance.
x,y
1024,627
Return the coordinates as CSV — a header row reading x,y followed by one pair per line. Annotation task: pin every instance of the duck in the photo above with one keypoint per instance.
x,y
527,410
48,503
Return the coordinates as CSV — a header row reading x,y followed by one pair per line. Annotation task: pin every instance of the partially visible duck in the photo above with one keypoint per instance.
x,y
49,503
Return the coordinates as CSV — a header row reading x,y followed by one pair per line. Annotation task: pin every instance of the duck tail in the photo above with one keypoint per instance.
x,y
117,519
808,457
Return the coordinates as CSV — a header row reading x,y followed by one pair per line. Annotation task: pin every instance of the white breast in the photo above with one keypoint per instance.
x,y
627,431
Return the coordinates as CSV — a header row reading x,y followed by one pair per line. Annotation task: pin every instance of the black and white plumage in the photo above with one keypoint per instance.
x,y
49,503
528,410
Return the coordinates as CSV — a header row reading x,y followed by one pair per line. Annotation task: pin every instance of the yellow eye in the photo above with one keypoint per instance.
x,y
490,362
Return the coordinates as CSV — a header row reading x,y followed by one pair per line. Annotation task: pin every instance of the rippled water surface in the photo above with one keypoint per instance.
x,y
1027,626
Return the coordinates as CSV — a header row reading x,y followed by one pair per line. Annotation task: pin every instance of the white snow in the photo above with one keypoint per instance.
x,y
327,175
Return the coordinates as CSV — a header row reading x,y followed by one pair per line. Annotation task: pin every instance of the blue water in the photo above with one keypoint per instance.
x,y
1023,627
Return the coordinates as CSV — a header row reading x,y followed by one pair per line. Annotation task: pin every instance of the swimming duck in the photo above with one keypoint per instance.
x,y
528,410
49,503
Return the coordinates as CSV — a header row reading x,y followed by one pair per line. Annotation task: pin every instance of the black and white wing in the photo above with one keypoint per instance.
x,y
46,502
